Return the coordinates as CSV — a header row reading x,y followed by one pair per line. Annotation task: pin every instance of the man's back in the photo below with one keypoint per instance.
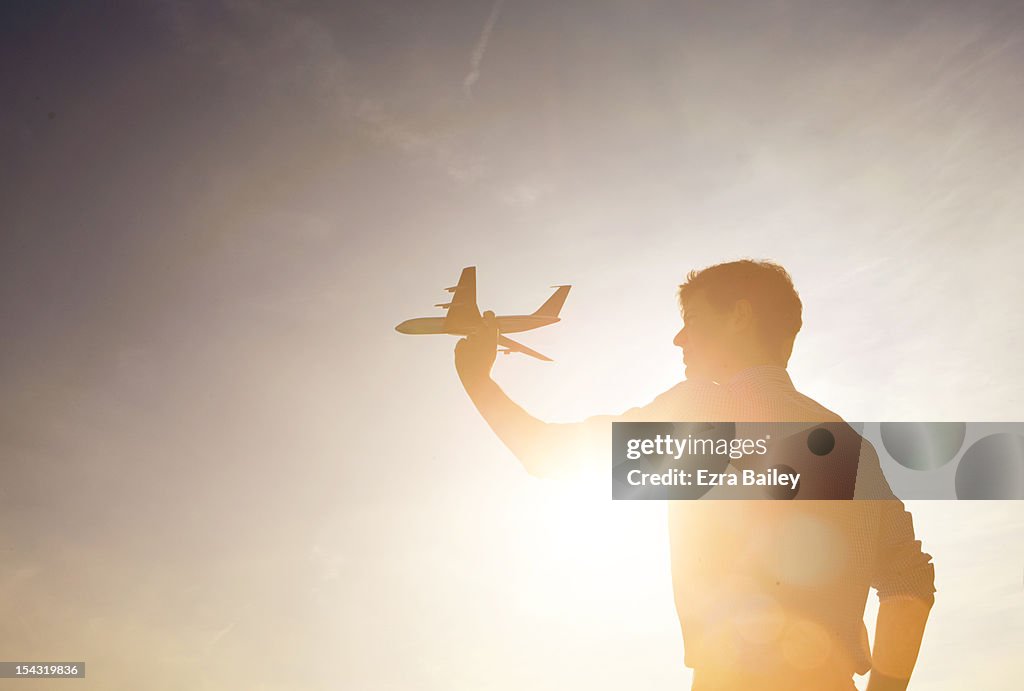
x,y
772,593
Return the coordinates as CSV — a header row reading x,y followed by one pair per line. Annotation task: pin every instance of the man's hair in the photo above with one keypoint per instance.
x,y
766,285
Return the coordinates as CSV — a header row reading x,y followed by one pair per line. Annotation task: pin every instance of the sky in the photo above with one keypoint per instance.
x,y
223,468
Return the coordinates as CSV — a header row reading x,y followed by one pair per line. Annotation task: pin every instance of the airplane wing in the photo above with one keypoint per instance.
x,y
462,309
520,348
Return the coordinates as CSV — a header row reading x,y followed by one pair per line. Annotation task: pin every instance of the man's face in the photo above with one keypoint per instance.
x,y
706,338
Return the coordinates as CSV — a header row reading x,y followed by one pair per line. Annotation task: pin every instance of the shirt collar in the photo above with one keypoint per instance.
x,y
760,378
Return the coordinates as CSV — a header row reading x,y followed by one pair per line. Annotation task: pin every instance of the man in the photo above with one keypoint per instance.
x,y
770,595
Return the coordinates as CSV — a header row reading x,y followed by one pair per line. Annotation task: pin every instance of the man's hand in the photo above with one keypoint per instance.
x,y
474,354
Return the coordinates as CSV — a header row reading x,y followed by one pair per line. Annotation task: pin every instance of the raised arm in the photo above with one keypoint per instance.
x,y
545,449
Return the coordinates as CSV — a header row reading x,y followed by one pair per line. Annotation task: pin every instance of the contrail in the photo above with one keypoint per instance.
x,y
478,53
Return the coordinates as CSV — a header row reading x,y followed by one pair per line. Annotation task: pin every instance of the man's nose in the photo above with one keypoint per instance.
x,y
680,339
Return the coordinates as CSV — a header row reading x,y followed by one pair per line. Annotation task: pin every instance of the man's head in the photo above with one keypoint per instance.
x,y
737,315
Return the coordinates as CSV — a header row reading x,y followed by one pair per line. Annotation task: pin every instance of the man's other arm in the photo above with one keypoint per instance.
x,y
905,580
902,574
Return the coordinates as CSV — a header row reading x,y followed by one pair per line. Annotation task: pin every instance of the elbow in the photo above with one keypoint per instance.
x,y
919,601
549,457
535,471
537,468
917,588
545,465
537,460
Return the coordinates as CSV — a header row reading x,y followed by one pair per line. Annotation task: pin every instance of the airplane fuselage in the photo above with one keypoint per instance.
x,y
441,325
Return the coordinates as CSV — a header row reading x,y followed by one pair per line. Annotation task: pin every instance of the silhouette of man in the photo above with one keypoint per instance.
x,y
770,595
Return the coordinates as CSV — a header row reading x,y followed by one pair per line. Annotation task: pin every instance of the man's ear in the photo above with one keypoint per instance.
x,y
742,316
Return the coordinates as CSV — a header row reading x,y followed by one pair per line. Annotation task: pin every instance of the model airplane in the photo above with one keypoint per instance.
x,y
463,317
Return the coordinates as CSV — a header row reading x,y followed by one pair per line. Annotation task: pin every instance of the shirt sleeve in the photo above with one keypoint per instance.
x,y
902,568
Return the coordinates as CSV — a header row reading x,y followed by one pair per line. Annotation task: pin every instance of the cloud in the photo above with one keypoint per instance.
x,y
291,50
478,52
526,193
417,141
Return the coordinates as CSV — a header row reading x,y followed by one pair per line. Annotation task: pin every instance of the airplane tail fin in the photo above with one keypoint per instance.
x,y
553,306
462,309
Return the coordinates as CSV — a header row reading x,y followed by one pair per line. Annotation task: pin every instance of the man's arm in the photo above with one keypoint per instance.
x,y
898,634
544,449
905,580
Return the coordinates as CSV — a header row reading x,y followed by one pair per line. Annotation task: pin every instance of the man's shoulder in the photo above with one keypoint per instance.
x,y
819,412
687,400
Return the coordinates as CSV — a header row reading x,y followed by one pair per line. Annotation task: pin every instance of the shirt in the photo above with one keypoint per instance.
x,y
781,586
